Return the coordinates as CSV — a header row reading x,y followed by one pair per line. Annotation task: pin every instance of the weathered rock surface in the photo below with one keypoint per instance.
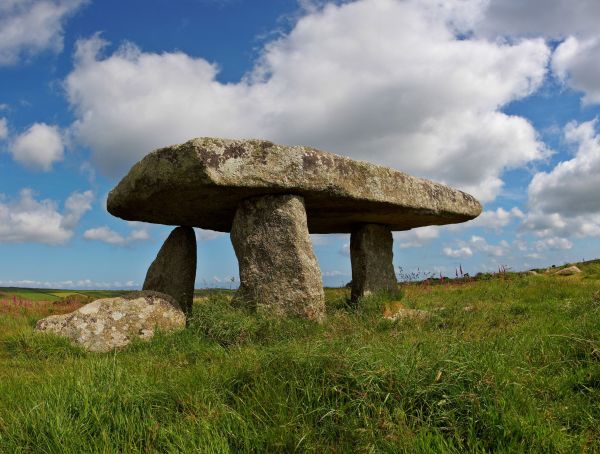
x,y
173,272
569,271
279,273
371,256
201,183
110,323
395,310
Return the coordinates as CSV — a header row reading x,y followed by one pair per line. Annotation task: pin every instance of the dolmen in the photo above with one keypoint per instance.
x,y
270,198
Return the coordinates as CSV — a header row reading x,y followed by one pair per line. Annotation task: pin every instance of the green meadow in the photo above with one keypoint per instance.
x,y
504,363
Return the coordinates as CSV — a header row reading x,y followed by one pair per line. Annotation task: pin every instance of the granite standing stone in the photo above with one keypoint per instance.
x,y
173,272
279,273
371,256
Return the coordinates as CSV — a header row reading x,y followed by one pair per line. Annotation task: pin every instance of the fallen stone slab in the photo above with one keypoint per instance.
x,y
569,271
201,183
279,273
395,310
106,324
173,272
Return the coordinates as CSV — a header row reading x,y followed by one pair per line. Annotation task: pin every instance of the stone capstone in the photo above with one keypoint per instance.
x,y
110,323
371,258
202,182
173,272
278,269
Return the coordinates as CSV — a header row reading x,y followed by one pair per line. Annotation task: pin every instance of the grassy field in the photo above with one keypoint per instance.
x,y
35,294
504,363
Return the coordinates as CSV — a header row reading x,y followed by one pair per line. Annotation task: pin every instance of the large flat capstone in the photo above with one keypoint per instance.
x,y
202,182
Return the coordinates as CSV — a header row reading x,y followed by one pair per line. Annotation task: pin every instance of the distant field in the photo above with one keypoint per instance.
x,y
504,363
53,295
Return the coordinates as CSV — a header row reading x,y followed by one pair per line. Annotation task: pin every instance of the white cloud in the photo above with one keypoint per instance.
x,y
554,243
403,89
208,235
109,236
477,244
29,27
496,219
70,283
576,62
105,235
3,129
75,206
417,237
496,250
139,235
344,250
566,197
461,252
550,18
39,147
28,220
563,202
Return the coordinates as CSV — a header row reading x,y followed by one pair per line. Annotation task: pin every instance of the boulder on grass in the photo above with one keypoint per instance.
x,y
110,323
395,310
569,271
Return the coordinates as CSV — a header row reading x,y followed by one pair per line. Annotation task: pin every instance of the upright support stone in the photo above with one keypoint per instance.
x,y
174,270
279,273
371,255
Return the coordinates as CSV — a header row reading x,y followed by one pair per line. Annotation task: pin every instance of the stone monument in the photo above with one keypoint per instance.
x,y
270,197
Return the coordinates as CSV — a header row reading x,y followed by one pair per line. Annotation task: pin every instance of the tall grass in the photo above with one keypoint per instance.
x,y
518,371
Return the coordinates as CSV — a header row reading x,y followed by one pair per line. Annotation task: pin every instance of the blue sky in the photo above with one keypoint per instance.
x,y
499,98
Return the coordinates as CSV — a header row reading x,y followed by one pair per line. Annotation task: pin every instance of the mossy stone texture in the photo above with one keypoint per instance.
x,y
201,183
279,273
372,260
110,323
173,272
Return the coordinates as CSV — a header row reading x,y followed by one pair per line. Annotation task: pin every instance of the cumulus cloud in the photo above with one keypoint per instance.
x,y
75,206
550,18
3,128
554,243
109,236
344,250
460,252
496,219
404,89
39,147
497,250
208,235
563,202
477,244
571,188
576,62
417,237
28,220
70,283
28,27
